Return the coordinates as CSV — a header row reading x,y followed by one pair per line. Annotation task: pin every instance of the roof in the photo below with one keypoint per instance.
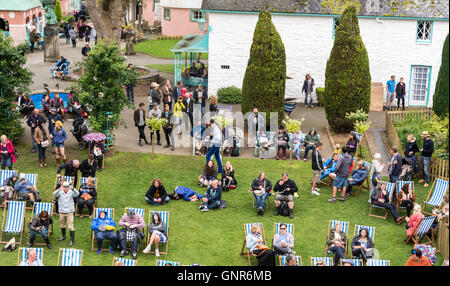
x,y
375,8
182,4
19,5
192,43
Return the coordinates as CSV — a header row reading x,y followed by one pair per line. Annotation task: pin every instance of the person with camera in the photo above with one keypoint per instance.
x,y
26,190
132,227
66,209
261,188
256,247
39,225
336,241
103,228
97,148
286,189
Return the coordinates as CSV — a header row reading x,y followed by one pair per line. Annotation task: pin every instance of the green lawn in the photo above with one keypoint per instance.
x,y
215,237
160,48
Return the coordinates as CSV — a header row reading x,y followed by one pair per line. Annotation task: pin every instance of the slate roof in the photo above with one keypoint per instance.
x,y
19,5
377,8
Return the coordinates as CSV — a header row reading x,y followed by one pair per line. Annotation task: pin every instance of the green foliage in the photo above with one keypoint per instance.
x,y
156,123
338,6
359,115
347,76
265,77
361,126
441,94
10,121
68,19
231,94
292,125
222,121
101,86
58,11
320,93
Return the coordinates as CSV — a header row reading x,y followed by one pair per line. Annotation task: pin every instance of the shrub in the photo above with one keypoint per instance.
x,y
69,19
441,94
320,93
230,94
58,11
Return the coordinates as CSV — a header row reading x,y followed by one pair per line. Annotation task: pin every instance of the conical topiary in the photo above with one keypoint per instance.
x,y
441,94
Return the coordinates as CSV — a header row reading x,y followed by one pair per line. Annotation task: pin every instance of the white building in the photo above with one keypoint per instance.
x,y
400,40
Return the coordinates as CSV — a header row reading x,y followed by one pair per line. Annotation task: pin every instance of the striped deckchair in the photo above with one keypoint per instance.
x,y
22,254
136,210
167,263
126,262
33,179
370,231
421,230
5,174
376,262
398,187
84,179
390,187
110,214
69,179
247,231
37,208
276,229
356,262
283,261
437,192
70,257
328,261
345,228
14,220
366,184
164,215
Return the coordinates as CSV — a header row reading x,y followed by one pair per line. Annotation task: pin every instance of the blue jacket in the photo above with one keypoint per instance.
x,y
20,187
333,166
99,221
213,195
59,137
185,193
359,175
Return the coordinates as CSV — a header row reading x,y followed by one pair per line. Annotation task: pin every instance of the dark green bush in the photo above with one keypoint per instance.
x,y
320,93
230,95
441,94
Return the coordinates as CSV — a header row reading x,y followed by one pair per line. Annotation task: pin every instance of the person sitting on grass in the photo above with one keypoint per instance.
x,y
256,247
362,245
414,220
380,197
209,174
330,164
103,228
39,225
406,198
336,241
156,194
185,194
212,197
417,259
283,242
87,197
261,188
310,142
157,230
133,225
286,189
228,181
358,176
26,190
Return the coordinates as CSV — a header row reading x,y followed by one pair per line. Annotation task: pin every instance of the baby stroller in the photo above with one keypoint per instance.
x,y
80,129
407,170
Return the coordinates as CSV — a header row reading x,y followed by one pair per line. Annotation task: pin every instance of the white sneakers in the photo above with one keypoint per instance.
x,y
147,251
157,252
315,192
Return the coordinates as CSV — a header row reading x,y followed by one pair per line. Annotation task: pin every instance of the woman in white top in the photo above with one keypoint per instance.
x,y
375,172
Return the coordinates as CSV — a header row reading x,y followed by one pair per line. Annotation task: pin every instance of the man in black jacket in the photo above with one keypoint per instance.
x,y
88,166
200,96
286,189
168,128
425,157
71,169
395,165
33,123
317,166
189,109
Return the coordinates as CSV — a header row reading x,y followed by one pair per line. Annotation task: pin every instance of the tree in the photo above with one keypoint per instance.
x,y
292,126
58,11
155,124
14,79
441,94
347,75
265,78
100,88
107,17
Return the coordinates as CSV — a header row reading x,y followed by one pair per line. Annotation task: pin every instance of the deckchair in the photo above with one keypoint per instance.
x,y
70,257
22,254
126,262
14,220
398,186
69,179
370,231
377,262
421,230
328,261
137,211
164,215
276,229
437,192
297,258
247,230
37,208
110,214
365,184
390,190
5,174
33,179
345,228
167,263
82,181
356,262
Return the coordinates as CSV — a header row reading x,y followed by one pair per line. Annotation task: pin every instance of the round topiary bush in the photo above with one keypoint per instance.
x,y
231,94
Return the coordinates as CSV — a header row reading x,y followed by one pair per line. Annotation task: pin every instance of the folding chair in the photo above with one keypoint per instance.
x,y
137,211
390,190
37,208
276,229
164,215
328,261
33,179
247,230
126,262
69,179
70,257
167,263
398,186
82,181
377,262
356,262
283,261
110,214
437,192
14,220
366,180
23,255
332,224
370,231
254,199
421,230
5,174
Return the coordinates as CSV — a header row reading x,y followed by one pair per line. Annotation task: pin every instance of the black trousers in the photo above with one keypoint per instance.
x,y
82,203
409,206
391,208
141,130
158,135
167,133
403,102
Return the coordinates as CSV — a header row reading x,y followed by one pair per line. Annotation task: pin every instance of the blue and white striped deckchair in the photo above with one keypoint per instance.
x,y
23,255
137,211
376,262
331,225
164,216
165,262
421,230
247,231
109,213
356,262
328,261
69,179
37,208
437,193
70,257
370,231
126,262
283,260
398,187
14,220
276,229
32,178
84,179
365,184
390,187
5,174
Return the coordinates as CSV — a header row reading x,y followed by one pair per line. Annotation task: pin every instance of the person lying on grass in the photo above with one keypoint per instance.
x,y
185,194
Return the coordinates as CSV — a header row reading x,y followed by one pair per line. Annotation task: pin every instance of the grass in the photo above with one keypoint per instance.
x,y
170,68
160,48
215,237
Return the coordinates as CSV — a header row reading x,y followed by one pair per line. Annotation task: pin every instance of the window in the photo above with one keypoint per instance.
x,y
225,67
335,25
424,31
197,15
167,14
154,4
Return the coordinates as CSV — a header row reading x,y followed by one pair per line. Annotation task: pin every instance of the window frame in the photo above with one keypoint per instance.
x,y
421,41
193,11
165,14
335,19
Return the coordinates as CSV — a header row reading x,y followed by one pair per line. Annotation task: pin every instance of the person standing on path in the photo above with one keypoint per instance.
x,y
200,96
307,88
168,128
66,32
216,142
425,157
139,122
130,85
317,166
400,91
166,90
390,92
73,37
155,112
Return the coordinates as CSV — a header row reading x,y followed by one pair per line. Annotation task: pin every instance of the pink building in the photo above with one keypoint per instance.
x,y
67,6
181,17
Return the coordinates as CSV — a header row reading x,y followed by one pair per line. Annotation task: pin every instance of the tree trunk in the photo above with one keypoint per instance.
x,y
153,146
107,17
290,153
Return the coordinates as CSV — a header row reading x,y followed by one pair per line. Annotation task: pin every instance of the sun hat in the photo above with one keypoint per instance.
x,y
66,184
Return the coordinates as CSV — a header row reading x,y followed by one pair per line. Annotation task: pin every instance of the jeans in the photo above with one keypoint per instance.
x,y
168,133
307,148
261,200
325,174
41,151
158,136
33,142
102,235
212,204
74,42
338,254
7,162
310,99
403,102
156,204
130,93
43,232
215,150
391,208
350,185
425,168
134,244
296,150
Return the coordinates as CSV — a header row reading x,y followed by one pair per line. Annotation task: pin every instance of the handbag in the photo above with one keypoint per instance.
x,y
44,143
97,151
262,247
86,196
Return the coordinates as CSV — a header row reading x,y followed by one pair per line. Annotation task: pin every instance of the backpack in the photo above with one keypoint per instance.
x,y
284,210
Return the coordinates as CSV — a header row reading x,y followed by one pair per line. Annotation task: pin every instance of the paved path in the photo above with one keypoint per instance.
x,y
377,137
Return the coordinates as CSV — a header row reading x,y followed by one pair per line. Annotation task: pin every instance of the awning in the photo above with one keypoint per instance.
x,y
192,43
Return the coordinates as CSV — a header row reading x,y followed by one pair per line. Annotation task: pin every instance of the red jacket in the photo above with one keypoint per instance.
x,y
10,150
